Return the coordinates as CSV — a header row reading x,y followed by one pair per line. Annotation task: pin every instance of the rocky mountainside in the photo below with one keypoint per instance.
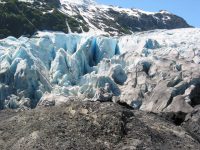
x,y
25,17
93,125
118,21
21,17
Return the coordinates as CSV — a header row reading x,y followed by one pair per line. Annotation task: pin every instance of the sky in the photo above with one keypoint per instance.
x,y
188,9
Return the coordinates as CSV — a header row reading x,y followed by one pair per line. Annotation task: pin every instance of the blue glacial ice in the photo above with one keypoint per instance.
x,y
79,64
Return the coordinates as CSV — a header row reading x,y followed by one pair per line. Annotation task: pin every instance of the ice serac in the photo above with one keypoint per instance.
x,y
151,71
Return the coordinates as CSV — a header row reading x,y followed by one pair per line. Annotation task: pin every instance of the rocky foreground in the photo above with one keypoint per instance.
x,y
95,125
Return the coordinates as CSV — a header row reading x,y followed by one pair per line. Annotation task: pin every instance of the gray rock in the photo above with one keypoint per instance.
x,y
90,125
179,105
103,94
192,123
159,99
49,100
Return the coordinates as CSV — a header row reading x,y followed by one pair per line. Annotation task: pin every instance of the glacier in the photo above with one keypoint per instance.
x,y
146,70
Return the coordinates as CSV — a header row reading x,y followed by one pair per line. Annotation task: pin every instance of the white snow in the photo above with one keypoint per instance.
x,y
27,1
77,2
91,11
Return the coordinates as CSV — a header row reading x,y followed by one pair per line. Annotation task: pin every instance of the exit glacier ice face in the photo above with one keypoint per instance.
x,y
135,67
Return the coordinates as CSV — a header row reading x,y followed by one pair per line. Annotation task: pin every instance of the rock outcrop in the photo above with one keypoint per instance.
x,y
90,125
192,123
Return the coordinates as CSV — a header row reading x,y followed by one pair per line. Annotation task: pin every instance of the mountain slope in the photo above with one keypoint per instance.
x,y
118,21
25,17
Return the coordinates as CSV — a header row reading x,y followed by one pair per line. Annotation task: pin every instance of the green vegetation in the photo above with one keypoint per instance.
x,y
20,18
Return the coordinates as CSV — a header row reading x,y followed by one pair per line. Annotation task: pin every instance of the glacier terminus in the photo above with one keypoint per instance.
x,y
147,70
